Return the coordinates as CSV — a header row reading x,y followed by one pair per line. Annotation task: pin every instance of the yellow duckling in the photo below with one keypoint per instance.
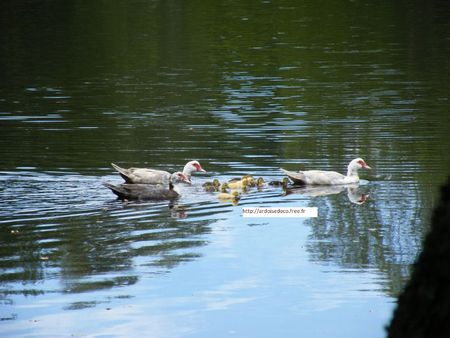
x,y
250,180
260,182
241,184
248,177
224,188
234,195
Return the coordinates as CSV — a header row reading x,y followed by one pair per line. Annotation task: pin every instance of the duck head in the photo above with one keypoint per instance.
x,y
355,165
235,194
359,163
178,177
191,167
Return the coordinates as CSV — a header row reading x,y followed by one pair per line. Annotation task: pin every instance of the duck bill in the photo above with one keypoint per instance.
x,y
186,179
363,198
198,167
366,166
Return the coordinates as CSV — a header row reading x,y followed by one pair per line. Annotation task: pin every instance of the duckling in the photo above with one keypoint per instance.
x,y
216,183
211,186
242,184
251,182
284,182
234,195
260,182
224,188
207,184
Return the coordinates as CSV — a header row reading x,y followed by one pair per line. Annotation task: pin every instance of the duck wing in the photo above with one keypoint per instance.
x,y
296,177
320,177
315,177
143,175
142,192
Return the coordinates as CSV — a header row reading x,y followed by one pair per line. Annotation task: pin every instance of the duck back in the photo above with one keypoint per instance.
x,y
142,192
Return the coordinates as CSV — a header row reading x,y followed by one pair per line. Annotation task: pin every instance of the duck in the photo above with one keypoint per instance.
x,y
142,192
238,184
321,177
154,176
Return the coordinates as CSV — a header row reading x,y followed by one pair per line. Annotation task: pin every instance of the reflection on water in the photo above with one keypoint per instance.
x,y
245,89
71,222
357,236
354,192
72,228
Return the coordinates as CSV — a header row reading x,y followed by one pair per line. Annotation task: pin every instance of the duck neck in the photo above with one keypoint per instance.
x,y
352,172
187,171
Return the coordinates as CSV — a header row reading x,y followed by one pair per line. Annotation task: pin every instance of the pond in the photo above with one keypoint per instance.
x,y
244,87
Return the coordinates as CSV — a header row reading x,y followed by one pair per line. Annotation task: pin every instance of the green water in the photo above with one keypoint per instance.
x,y
243,87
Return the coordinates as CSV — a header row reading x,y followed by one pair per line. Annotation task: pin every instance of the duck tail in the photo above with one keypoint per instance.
x,y
123,172
296,177
115,166
117,190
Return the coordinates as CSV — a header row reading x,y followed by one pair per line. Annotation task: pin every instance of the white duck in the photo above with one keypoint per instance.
x,y
153,176
320,177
